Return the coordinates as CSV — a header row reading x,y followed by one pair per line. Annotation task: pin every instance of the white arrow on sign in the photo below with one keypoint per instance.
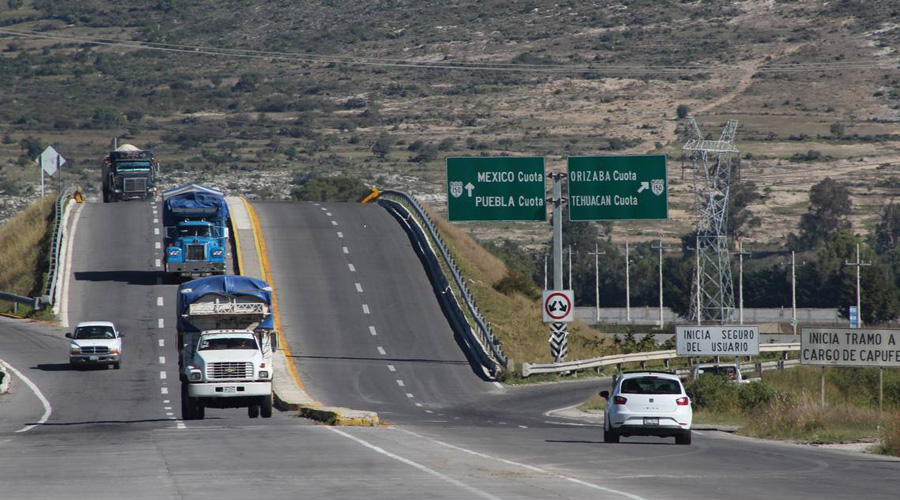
x,y
644,185
50,160
469,188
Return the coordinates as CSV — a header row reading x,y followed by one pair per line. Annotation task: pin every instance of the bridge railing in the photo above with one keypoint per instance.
x,y
56,245
491,354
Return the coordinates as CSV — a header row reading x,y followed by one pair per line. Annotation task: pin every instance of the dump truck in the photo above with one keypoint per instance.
x,y
196,234
129,173
226,341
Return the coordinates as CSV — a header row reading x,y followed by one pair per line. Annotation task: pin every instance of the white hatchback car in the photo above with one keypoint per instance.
x,y
95,342
647,404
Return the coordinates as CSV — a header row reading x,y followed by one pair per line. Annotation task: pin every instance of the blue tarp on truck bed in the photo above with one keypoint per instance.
x,y
225,286
193,201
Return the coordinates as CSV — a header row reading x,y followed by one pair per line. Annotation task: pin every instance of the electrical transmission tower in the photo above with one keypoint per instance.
x,y
712,293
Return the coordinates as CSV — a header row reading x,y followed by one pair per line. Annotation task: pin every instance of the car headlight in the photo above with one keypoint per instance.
x,y
74,348
114,350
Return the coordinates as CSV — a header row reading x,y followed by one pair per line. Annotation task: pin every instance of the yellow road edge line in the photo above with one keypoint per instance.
x,y
264,268
237,247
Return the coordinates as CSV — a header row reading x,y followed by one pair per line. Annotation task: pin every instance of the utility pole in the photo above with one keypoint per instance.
x,y
858,264
697,265
627,284
793,293
741,253
570,267
597,253
661,248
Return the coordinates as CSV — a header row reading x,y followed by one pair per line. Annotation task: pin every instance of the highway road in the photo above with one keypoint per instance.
x,y
110,433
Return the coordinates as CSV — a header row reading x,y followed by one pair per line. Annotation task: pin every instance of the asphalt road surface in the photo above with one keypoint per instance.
x,y
108,433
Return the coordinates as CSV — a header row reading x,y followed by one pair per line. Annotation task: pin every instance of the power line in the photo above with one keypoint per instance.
x,y
293,57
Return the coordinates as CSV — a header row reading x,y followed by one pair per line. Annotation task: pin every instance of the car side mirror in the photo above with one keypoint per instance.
x,y
68,335
604,394
274,341
121,334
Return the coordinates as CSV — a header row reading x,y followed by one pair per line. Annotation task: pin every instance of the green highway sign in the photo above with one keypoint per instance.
x,y
496,188
618,188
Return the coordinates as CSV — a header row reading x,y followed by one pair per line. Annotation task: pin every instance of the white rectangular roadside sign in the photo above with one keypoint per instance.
x,y
730,340
849,347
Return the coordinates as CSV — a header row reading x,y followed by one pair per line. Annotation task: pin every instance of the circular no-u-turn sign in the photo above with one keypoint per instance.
x,y
558,306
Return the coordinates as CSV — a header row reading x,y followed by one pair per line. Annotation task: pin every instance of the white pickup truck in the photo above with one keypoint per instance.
x,y
226,341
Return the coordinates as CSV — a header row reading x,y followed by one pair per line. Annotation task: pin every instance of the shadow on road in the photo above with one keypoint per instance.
x,y
382,359
130,277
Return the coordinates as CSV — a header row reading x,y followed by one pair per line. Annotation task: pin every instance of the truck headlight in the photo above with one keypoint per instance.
x,y
196,375
74,348
264,374
217,252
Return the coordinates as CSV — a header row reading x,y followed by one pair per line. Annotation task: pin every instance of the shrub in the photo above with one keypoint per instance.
x,y
330,189
713,393
755,395
517,282
891,440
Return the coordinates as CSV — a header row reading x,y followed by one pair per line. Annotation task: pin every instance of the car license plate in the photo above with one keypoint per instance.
x,y
230,388
94,358
651,420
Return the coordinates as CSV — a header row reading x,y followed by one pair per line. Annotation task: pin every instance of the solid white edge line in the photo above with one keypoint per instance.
x,y
529,467
443,477
64,293
37,392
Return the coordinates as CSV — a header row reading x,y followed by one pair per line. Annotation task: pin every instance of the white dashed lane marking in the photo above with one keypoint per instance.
x,y
164,390
162,375
359,288
162,343
400,383
158,245
156,231
158,263
391,368
372,330
162,360
159,301
340,234
381,351
328,214
352,268
365,309
162,323
346,250
334,223
409,395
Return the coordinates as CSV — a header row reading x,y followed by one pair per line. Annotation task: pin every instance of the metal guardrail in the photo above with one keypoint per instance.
x,y
486,335
56,244
637,357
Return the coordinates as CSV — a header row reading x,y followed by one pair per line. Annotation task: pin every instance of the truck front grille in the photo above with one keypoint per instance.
x,y
95,349
135,185
229,370
196,252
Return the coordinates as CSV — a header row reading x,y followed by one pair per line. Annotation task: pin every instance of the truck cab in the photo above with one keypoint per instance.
x,y
195,247
129,173
196,234
228,368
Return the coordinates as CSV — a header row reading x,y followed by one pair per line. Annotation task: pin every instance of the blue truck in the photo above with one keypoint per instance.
x,y
196,233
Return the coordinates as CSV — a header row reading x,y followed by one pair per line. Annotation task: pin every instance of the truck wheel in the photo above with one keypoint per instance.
x,y
199,410
266,408
105,196
253,411
187,407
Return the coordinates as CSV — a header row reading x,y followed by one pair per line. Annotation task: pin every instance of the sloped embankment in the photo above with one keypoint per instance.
x,y
24,246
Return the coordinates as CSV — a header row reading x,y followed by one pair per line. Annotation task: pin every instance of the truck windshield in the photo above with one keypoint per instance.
x,y
193,231
94,332
226,343
133,166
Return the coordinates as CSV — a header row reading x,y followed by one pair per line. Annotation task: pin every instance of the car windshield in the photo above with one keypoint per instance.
x,y
226,343
95,332
650,385
718,370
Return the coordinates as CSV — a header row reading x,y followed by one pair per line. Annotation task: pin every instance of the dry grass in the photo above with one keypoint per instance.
x,y
23,243
802,418
891,438
516,319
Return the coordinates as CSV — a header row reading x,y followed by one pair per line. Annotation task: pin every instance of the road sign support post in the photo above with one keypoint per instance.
x,y
597,253
858,264
627,284
661,247
558,333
